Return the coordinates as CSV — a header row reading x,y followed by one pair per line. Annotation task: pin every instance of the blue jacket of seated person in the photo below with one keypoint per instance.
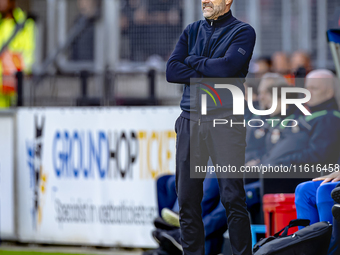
x,y
261,140
315,140
255,138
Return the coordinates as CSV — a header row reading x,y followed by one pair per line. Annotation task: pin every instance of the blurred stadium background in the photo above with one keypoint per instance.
x,y
122,44
114,53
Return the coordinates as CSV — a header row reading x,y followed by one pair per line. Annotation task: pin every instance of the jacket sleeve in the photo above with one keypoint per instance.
x,y
324,141
236,57
176,70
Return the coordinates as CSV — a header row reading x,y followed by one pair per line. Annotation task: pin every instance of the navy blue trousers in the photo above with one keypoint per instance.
x,y
225,145
314,202
213,212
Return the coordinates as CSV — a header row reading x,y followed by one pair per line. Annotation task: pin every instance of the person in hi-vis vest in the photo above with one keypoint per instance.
x,y
19,53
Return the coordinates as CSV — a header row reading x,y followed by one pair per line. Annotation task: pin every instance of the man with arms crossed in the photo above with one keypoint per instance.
x,y
218,47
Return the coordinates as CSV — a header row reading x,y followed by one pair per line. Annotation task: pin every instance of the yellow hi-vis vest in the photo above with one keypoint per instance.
x,y
20,51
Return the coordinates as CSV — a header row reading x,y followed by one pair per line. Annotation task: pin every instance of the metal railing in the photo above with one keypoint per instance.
x,y
90,89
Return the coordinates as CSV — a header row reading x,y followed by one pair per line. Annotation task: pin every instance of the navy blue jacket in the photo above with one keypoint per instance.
x,y
219,48
259,139
315,141
255,139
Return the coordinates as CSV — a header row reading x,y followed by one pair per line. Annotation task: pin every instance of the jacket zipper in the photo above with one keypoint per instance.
x,y
205,53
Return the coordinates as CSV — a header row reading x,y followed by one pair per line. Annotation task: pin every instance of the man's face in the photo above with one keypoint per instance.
x,y
321,90
212,9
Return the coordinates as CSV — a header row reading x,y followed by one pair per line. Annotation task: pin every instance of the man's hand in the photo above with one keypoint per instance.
x,y
333,177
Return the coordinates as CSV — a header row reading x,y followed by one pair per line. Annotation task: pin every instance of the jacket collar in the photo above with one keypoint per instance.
x,y
330,104
222,21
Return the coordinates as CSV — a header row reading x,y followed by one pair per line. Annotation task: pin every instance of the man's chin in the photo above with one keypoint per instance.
x,y
207,15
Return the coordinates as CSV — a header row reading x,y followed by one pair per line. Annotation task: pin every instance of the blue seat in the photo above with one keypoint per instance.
x,y
257,229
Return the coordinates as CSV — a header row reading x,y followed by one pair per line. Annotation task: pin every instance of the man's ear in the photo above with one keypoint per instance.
x,y
229,2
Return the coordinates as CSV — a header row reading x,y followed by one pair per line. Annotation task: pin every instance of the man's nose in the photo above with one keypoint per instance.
x,y
205,1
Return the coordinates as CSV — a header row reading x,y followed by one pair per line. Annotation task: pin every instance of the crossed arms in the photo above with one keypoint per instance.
x,y
181,66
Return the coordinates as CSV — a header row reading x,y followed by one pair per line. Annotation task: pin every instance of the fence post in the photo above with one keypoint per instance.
x,y
254,14
108,87
20,80
111,19
152,86
84,75
189,11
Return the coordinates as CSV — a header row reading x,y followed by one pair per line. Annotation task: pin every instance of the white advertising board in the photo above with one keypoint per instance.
x,y
6,177
87,176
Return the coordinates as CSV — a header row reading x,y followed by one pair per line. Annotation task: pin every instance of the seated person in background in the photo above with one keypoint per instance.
x,y
257,69
316,138
280,63
314,200
260,140
262,66
300,64
213,214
